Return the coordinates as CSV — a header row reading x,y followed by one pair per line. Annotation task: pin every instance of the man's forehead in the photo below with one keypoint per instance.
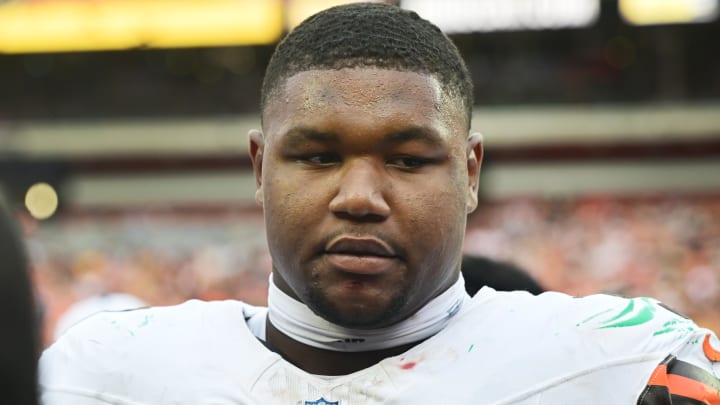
x,y
363,85
367,87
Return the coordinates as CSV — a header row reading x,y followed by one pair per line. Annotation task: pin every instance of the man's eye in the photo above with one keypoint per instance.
x,y
408,162
319,159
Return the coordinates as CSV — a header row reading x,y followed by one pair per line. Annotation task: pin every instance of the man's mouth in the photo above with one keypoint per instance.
x,y
361,255
360,246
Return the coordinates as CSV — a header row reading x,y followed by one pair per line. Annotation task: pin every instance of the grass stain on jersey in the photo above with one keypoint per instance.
x,y
145,321
637,312
586,320
643,315
668,326
680,325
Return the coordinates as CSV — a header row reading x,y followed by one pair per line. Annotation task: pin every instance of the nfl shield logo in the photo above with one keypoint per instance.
x,y
321,401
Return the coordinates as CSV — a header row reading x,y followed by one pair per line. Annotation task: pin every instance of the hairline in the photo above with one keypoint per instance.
x,y
445,88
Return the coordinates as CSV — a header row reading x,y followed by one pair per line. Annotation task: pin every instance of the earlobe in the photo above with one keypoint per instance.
x,y
256,149
474,163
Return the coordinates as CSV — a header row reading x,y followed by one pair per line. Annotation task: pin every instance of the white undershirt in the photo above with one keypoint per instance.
x,y
298,322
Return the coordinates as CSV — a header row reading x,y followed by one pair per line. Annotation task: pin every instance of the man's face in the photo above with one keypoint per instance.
x,y
366,177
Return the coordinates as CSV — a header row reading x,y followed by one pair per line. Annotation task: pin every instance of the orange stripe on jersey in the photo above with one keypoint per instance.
x,y
710,352
694,389
659,376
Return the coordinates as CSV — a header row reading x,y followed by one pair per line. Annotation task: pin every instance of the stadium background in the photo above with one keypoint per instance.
x,y
601,120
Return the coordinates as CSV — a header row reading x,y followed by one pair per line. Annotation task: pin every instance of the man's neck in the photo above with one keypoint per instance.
x,y
325,362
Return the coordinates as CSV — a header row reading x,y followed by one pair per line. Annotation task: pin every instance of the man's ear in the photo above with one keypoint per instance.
x,y
257,146
474,163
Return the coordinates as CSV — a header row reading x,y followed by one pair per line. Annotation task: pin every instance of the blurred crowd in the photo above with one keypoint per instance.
x,y
160,258
666,247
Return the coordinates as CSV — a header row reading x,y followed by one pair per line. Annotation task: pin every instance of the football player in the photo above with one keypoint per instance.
x,y
366,169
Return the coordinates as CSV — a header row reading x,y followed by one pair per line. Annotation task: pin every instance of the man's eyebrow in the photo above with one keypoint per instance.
x,y
299,136
420,134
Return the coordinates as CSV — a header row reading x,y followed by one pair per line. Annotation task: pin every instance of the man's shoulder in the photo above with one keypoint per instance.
x,y
557,344
145,322
127,353
596,311
610,324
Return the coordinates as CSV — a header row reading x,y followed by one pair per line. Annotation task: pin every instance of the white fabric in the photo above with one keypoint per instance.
x,y
255,320
94,304
501,348
296,320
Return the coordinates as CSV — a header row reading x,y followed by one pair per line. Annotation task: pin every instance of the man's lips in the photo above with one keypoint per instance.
x,y
360,246
361,255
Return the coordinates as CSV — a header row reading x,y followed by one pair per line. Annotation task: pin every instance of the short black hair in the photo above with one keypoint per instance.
x,y
369,35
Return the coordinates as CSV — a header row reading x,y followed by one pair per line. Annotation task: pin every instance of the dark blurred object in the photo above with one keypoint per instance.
x,y
19,337
480,271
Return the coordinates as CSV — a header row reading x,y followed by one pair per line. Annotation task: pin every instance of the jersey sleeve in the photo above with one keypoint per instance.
x,y
691,376
82,366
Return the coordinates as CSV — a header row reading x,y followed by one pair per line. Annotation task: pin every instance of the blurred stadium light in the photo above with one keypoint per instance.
x,y
60,26
653,12
458,16
76,25
41,200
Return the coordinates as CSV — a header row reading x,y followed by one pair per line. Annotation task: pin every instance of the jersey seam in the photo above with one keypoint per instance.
x,y
105,398
569,377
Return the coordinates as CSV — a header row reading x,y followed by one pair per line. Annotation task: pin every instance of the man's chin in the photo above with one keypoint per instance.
x,y
357,316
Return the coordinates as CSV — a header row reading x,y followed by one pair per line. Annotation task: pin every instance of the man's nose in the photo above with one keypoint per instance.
x,y
361,192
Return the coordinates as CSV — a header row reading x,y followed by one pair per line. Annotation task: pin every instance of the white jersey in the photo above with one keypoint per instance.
x,y
94,304
502,348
